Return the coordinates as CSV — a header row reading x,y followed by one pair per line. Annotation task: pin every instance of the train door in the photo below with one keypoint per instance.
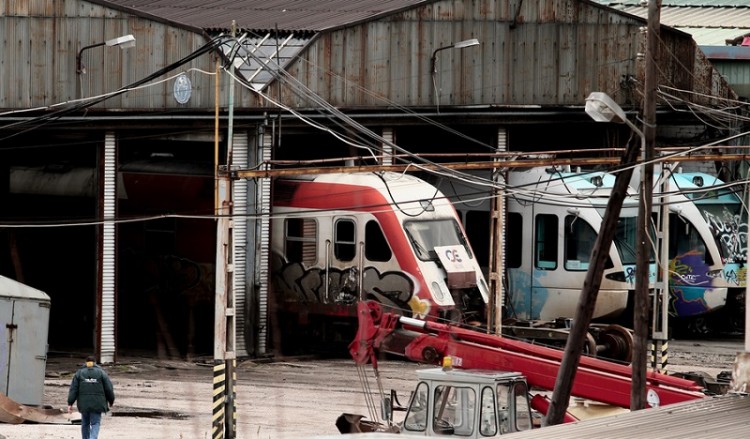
x,y
533,249
547,254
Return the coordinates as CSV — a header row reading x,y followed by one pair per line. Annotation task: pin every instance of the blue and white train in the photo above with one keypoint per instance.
x,y
707,252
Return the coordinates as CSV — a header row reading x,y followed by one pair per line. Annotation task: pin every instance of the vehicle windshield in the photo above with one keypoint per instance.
x,y
426,235
625,240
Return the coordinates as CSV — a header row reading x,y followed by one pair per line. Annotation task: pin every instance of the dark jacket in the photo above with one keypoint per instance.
x,y
92,388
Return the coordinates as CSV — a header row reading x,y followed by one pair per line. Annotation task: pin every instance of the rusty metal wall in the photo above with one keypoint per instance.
x,y
535,52
40,39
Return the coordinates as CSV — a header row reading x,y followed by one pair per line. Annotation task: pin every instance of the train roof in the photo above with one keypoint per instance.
x,y
579,188
404,190
698,187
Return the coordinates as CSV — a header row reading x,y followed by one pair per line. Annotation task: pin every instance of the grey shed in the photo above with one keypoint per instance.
x,y
24,326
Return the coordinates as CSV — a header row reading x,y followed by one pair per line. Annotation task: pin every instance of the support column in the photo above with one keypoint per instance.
x,y
497,243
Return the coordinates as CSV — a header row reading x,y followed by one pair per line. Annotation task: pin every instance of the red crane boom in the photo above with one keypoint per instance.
x,y
429,342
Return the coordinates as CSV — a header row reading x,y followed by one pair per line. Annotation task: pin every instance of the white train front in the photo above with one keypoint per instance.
x,y
340,238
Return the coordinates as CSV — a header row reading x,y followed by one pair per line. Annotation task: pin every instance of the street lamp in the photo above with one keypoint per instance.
x,y
433,61
603,108
122,42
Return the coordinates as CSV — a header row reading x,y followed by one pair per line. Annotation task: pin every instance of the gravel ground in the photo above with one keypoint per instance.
x,y
290,399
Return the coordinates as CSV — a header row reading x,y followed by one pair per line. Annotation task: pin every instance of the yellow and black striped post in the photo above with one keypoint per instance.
x,y
659,358
223,416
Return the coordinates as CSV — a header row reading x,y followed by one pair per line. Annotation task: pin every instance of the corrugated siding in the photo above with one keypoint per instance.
x,y
305,15
737,74
704,16
263,260
239,204
549,53
40,42
716,417
108,275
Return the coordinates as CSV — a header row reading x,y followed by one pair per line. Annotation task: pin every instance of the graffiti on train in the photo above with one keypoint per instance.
x,y
731,232
295,283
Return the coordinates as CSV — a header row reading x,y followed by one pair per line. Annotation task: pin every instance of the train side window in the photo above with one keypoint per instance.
x,y
344,239
301,235
514,240
545,242
477,228
376,246
579,243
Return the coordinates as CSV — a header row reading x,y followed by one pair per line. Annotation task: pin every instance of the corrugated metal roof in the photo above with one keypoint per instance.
x,y
682,3
713,417
710,22
288,15
711,36
698,17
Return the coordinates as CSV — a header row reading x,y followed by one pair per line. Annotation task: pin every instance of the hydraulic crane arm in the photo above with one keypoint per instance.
x,y
429,342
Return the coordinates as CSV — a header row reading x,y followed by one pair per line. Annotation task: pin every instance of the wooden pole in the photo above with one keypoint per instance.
x,y
587,301
641,314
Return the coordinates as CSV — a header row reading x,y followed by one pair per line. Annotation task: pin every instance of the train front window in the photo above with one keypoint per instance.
x,y
426,235
579,243
344,240
684,240
625,239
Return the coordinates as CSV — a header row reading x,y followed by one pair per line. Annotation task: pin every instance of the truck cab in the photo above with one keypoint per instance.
x,y
467,404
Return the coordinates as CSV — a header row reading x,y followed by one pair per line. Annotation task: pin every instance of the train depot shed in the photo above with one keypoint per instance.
x,y
119,157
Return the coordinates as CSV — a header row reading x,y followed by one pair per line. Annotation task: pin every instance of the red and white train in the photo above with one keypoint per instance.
x,y
341,238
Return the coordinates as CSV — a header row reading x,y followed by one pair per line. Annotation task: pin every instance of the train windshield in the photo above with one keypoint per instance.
x,y
426,235
625,240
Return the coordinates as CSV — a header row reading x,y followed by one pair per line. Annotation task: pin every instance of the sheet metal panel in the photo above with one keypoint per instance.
x,y
107,292
298,15
713,417
550,53
239,206
263,234
40,43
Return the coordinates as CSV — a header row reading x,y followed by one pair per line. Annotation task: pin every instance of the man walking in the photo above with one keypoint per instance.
x,y
93,390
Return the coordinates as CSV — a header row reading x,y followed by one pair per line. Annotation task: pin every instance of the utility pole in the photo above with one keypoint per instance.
x,y
590,291
224,397
642,310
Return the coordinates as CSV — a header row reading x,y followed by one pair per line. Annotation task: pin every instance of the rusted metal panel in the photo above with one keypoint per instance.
x,y
310,15
40,42
532,53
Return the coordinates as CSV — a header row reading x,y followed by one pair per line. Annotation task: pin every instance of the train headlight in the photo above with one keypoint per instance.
x,y
437,291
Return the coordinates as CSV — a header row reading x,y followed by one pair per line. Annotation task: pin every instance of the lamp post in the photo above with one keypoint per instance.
x,y
598,109
433,60
122,42
602,108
